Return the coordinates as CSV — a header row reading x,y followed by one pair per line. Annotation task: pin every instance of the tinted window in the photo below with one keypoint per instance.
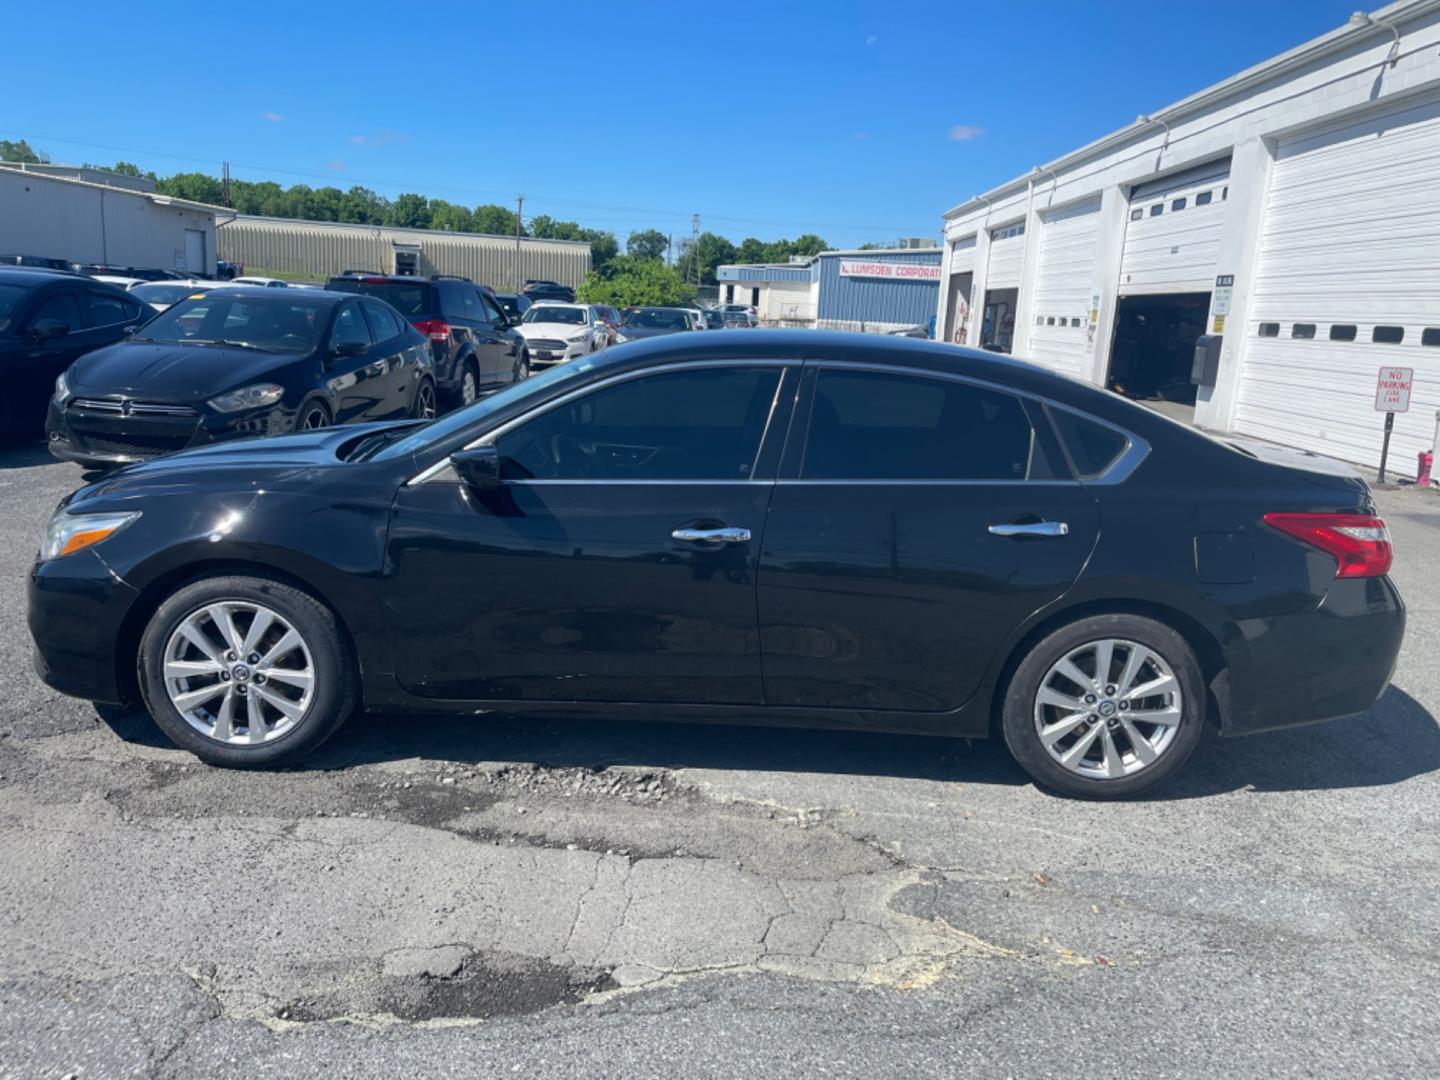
x,y
1092,447
690,425
1303,330
161,293
1388,335
1342,332
555,313
62,306
489,312
106,310
383,323
455,301
275,320
349,326
1203,199
10,295
878,426
1178,204
410,300
1157,209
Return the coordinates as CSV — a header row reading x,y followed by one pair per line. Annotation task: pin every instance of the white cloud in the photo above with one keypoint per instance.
x,y
871,40
358,140
965,132
338,165
273,117
383,137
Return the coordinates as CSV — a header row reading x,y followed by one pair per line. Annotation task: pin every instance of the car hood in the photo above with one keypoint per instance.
x,y
178,373
550,330
635,333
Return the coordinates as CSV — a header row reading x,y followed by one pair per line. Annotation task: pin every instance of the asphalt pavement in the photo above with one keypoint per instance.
x,y
493,896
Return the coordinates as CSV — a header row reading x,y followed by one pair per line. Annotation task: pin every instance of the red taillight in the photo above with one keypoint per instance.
x,y
434,329
375,280
1359,543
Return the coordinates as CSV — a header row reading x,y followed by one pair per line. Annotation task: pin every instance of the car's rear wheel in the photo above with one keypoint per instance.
x,y
1106,707
425,407
522,367
469,385
245,671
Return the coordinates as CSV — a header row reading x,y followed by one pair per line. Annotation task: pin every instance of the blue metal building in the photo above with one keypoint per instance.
x,y
876,291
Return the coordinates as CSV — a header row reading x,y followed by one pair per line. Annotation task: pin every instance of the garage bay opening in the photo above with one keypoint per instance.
x,y
1154,348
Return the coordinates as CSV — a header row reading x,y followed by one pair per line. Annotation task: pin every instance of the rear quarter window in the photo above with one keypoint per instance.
x,y
1093,447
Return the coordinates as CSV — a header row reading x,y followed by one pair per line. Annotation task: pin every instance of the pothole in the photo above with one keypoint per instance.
x,y
449,984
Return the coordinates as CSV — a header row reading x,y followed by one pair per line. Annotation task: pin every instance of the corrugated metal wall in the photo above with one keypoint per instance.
x,y
763,273
848,303
320,249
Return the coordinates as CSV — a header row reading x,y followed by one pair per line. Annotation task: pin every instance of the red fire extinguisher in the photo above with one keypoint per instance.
x,y
1422,474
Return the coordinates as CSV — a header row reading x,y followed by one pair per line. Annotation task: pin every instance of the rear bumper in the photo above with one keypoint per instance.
x,y
1334,660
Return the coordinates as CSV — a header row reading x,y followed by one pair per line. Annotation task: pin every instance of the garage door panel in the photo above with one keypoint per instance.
x,y
1351,237
1175,250
1064,284
1007,253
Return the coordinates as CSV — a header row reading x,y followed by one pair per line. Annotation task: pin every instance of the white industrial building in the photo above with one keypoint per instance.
x,y
1293,209
60,217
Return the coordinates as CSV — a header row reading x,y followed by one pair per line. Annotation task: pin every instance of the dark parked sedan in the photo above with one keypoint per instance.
x,y
234,362
800,528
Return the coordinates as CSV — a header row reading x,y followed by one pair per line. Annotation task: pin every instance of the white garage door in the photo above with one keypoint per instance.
x,y
1007,252
962,256
1064,284
1172,236
1348,281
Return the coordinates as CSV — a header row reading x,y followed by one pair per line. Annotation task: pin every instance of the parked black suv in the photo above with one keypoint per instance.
x,y
475,348
48,319
536,289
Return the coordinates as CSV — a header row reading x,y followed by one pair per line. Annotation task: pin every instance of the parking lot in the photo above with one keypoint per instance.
x,y
451,897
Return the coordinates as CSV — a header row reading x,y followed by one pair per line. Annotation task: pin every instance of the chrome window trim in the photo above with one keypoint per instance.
x,y
488,439
1118,471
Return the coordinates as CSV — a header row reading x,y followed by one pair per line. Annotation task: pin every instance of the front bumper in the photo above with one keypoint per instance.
x,y
541,358
107,439
76,611
1333,660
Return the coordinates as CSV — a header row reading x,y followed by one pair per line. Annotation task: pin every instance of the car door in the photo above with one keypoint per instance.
x,y
617,561
918,519
33,381
497,339
360,384
389,338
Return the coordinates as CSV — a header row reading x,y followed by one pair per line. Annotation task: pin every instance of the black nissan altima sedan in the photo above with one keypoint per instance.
x,y
227,363
794,528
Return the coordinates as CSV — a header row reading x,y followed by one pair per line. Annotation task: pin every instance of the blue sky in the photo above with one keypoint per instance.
x,y
857,121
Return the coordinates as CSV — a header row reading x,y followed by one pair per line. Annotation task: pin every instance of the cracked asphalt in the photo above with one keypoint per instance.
x,y
488,896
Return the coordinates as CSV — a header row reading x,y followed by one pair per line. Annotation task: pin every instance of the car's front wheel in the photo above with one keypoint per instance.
x,y
246,671
1106,707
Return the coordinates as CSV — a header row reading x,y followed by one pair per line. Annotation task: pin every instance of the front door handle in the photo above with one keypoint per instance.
x,y
727,535
1032,528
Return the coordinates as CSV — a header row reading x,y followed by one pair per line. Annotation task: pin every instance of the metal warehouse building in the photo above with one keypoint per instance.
x,y
875,291
86,222
1293,210
323,248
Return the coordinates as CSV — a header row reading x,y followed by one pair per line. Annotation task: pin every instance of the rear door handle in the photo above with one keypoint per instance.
x,y
727,535
1032,528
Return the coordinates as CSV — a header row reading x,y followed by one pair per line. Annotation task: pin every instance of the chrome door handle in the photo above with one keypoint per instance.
x,y
722,536
1034,528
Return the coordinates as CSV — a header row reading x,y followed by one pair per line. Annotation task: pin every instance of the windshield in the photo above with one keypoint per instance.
x,y
659,319
161,294
458,421
281,324
547,313
9,296
410,300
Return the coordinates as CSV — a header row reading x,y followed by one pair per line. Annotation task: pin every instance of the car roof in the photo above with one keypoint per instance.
x,y
265,292
35,275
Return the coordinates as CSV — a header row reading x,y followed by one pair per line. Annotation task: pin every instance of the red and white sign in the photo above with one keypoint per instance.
x,y
1392,389
892,271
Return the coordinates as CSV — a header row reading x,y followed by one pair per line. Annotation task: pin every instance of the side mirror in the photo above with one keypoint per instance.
x,y
478,467
46,329
351,348
516,320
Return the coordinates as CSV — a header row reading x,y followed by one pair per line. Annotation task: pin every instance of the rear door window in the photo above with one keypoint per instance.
x,y
867,425
492,314
383,322
1093,447
105,309
63,306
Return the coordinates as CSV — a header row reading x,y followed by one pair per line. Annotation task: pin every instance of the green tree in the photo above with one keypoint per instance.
x,y
809,245
195,186
409,211
750,251
603,247
21,150
493,219
627,281
361,206
446,215
647,244
708,251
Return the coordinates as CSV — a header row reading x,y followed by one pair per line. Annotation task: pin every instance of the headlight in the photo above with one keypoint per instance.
x,y
68,533
251,397
62,389
619,338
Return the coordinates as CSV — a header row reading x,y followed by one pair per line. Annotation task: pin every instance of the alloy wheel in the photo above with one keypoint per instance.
x,y
425,402
1108,709
239,672
314,419
468,389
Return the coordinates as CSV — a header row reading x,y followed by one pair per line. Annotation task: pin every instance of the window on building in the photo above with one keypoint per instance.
x,y
1178,204
1342,332
1303,330
1075,320
1225,193
1157,209
1269,329
1050,321
1430,335
1039,320
1387,335
1137,214
1203,199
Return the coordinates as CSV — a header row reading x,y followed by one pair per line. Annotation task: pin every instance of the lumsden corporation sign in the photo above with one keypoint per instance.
x,y
893,271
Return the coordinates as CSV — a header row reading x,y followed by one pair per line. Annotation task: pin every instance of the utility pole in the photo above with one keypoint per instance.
x,y
519,217
670,249
225,184
694,248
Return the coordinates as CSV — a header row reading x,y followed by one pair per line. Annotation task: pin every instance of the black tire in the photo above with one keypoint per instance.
x,y
313,416
425,390
522,368
336,692
1018,718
